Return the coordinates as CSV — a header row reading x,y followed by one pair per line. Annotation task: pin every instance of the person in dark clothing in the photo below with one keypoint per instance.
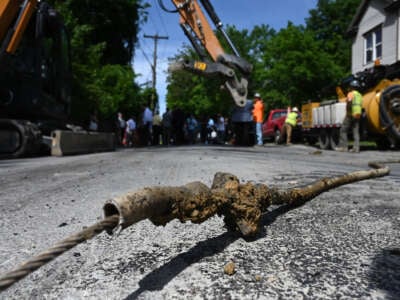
x,y
167,127
178,122
191,126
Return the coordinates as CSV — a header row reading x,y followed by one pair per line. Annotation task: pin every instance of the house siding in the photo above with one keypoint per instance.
x,y
374,16
398,35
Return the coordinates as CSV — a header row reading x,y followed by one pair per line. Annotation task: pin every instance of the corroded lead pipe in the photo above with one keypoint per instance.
x,y
241,205
159,204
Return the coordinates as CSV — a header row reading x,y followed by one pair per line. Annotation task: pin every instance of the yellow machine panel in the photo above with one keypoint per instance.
x,y
306,114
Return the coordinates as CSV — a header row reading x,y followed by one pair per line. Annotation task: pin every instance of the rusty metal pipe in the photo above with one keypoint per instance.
x,y
241,205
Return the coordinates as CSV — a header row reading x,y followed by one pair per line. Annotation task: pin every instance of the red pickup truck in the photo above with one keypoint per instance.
x,y
272,126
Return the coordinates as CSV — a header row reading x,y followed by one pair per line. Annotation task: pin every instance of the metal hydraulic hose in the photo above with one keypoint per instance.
x,y
392,93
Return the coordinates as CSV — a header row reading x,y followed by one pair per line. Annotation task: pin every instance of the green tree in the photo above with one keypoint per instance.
x,y
103,35
295,68
114,23
329,22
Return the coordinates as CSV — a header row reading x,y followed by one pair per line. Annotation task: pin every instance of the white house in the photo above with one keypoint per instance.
x,y
375,30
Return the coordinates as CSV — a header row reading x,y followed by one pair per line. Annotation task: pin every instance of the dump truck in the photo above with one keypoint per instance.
x,y
380,121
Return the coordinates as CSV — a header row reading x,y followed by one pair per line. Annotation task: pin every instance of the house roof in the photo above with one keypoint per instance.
x,y
353,27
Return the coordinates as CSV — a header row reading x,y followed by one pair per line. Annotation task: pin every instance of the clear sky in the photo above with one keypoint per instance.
x,y
241,13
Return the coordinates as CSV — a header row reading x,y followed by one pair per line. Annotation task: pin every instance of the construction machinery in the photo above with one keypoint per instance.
x,y
35,84
35,76
214,59
380,121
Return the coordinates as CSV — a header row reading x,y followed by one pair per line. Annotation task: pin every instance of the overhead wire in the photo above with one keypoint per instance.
x,y
142,43
145,55
145,48
156,19
149,72
161,19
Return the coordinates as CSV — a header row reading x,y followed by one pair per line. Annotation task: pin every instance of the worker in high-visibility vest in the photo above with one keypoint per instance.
x,y
290,123
352,119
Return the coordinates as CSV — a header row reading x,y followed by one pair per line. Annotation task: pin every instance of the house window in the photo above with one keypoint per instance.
x,y
373,45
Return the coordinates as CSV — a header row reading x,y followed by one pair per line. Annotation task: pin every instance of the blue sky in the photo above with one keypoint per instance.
x,y
241,13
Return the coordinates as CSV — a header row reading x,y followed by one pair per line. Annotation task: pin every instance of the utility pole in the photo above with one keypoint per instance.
x,y
154,66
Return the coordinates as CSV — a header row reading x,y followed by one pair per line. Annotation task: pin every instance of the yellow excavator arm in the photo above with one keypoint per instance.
x,y
14,18
234,69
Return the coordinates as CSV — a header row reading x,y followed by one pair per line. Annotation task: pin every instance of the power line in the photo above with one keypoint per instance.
x,y
161,18
145,55
155,38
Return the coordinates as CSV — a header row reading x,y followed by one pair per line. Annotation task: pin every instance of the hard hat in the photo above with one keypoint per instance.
x,y
295,109
354,83
257,95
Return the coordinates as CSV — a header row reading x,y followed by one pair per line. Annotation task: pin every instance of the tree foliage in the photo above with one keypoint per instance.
x,y
102,38
295,68
329,22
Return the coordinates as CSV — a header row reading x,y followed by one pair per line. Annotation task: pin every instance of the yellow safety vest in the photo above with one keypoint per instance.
x,y
292,118
356,104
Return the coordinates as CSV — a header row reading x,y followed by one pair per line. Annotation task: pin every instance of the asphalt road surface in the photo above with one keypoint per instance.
x,y
343,244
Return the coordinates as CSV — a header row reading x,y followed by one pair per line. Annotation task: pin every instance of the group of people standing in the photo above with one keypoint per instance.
x,y
173,128
177,128
130,132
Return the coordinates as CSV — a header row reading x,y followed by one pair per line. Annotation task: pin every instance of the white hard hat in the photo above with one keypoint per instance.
x,y
257,95
354,83
295,109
